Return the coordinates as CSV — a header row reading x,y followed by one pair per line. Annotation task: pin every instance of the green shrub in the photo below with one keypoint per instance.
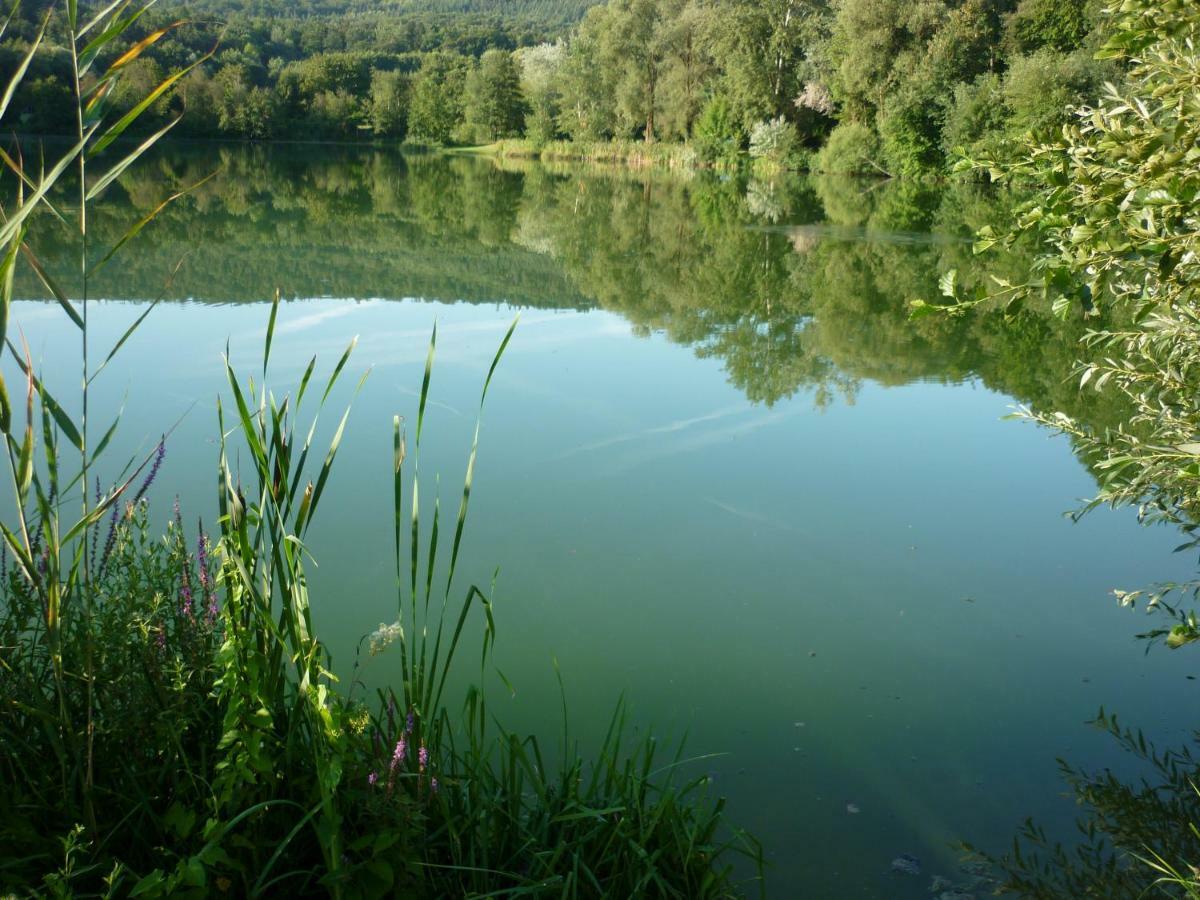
x,y
773,142
1057,24
977,120
852,149
910,126
1041,89
717,134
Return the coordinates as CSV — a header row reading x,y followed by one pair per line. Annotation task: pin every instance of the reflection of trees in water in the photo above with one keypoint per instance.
x,y
795,285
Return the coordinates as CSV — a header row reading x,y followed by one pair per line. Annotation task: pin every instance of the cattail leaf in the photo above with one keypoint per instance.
x,y
50,449
108,434
19,171
5,408
146,220
470,476
15,222
17,76
327,466
337,370
312,364
24,560
61,418
128,333
52,286
101,16
116,171
140,47
9,266
115,28
25,463
270,332
35,385
425,379
247,421
119,127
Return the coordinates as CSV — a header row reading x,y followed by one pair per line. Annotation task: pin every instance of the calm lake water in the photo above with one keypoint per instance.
x,y
721,472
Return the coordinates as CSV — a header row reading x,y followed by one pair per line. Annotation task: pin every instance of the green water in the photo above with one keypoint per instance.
x,y
721,472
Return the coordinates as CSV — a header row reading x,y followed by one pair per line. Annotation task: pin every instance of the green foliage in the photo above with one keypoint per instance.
x,y
541,86
630,70
1040,90
1117,237
435,109
910,127
852,149
773,142
977,119
493,105
389,103
1130,830
718,134
1056,24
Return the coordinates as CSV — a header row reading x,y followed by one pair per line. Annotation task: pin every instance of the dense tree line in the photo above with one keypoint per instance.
x,y
891,86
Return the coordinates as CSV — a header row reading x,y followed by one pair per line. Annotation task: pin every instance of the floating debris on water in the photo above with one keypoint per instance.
x,y
906,864
852,809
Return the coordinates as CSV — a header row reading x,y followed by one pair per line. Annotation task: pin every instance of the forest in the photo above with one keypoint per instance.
x,y
895,87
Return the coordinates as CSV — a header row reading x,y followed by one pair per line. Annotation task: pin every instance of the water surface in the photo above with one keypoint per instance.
x,y
721,471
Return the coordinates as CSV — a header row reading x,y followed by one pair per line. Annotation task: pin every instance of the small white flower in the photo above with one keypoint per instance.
x,y
384,635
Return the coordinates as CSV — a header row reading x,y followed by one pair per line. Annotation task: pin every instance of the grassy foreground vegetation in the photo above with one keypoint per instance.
x,y
170,724
1117,227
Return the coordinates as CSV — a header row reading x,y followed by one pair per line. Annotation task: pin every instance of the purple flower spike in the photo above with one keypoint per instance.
x,y
422,758
399,754
372,778
185,592
408,722
153,473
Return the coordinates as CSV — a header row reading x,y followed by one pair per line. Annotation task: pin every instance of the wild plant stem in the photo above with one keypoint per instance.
x,y
89,662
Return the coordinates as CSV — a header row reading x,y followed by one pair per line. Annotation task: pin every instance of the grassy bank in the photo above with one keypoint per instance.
x,y
632,154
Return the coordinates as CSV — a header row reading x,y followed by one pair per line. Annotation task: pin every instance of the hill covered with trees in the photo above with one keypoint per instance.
x,y
873,86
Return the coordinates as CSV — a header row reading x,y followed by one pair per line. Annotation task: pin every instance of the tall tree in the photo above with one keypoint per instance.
x,y
493,103
436,108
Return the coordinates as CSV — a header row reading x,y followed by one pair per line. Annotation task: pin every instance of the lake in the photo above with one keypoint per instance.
x,y
721,472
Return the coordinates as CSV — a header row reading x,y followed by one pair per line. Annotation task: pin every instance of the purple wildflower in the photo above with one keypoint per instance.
x,y
433,784
372,778
206,583
400,753
422,758
408,721
161,639
397,758
153,473
202,557
111,540
96,531
185,592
